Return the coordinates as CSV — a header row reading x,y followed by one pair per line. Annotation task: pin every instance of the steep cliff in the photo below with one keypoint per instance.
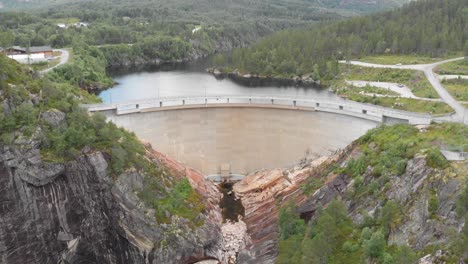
x,y
75,189
76,212
264,192
403,189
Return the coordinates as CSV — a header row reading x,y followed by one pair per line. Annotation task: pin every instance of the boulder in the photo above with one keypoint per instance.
x,y
53,117
39,174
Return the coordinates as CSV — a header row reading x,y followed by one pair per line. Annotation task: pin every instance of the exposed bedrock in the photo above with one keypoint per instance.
x,y
75,212
262,193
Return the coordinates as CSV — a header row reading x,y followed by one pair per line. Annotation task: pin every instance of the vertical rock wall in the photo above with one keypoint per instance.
x,y
78,214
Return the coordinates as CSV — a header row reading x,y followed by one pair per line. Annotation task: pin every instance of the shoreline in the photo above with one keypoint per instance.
x,y
254,79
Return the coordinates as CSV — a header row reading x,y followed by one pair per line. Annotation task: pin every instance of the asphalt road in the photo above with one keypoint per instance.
x,y
63,59
428,69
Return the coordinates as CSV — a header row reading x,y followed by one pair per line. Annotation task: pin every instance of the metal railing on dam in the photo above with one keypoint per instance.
x,y
342,107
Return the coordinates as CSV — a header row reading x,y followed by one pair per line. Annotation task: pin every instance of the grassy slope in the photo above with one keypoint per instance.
x,y
403,59
416,81
457,88
453,68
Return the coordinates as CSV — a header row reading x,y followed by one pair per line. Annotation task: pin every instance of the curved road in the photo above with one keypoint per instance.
x,y
63,59
461,112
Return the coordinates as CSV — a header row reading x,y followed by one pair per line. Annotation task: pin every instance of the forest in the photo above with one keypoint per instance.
x,y
433,28
222,25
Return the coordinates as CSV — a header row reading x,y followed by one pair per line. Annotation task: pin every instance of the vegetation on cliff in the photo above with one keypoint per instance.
x,y
47,110
364,225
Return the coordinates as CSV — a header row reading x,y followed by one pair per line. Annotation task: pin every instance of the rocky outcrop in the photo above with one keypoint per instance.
x,y
75,212
53,117
262,194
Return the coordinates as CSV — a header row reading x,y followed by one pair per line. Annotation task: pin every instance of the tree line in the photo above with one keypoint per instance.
x,y
433,28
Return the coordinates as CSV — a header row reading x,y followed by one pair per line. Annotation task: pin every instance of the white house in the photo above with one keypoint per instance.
x,y
29,58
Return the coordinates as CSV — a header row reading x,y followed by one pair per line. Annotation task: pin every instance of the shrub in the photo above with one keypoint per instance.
x,y
433,204
400,167
357,166
290,223
375,246
435,159
404,254
350,247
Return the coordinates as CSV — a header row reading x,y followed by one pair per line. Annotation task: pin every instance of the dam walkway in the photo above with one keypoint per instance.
x,y
341,107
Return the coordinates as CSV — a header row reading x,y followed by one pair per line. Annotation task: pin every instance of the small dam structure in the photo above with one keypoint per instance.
x,y
225,175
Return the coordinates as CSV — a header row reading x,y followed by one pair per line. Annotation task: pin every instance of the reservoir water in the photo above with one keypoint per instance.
x,y
192,80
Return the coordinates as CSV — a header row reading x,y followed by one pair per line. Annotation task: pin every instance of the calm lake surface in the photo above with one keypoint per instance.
x,y
192,80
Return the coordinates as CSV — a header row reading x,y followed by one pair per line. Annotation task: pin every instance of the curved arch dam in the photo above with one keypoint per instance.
x,y
249,139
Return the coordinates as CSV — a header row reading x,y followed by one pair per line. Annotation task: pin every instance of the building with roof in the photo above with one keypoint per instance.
x,y
30,55
17,50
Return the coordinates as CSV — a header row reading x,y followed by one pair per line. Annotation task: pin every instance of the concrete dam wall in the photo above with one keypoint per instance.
x,y
248,139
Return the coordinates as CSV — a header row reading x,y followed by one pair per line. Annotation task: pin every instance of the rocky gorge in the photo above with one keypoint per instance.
x,y
77,213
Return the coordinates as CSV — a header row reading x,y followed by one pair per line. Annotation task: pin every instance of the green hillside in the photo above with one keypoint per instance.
x,y
432,28
350,6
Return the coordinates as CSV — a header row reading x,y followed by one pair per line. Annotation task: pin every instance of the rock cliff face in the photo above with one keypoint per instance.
x,y
413,190
263,193
75,212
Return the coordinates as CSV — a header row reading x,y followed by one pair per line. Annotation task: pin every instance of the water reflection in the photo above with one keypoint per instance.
x,y
191,80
